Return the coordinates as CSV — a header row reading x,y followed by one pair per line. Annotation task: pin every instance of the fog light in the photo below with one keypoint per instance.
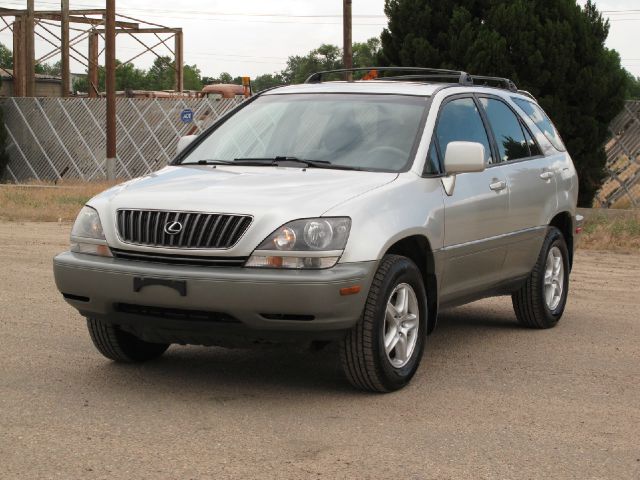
x,y
270,261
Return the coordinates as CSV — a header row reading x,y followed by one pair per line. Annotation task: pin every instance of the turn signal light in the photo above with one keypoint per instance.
x,y
350,290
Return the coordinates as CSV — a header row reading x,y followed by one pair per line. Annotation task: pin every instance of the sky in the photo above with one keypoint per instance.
x,y
254,36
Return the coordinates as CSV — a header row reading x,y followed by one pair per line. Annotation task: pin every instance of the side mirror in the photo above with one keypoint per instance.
x,y
183,142
462,157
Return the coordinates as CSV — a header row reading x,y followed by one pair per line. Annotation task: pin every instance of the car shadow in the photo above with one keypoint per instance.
x,y
291,369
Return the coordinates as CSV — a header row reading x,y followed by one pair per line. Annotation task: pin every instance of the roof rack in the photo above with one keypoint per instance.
x,y
462,78
423,74
498,81
527,94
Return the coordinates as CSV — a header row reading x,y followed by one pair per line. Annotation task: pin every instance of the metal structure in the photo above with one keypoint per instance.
x,y
55,138
62,30
622,188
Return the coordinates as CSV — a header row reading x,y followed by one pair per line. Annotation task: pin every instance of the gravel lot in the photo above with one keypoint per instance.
x,y
491,400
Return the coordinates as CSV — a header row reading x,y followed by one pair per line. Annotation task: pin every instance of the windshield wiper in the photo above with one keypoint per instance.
x,y
280,160
217,162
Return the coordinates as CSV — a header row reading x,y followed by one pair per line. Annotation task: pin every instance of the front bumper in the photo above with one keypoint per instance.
x,y
256,300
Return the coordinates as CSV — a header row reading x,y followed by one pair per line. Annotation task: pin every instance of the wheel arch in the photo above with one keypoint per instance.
x,y
418,249
563,221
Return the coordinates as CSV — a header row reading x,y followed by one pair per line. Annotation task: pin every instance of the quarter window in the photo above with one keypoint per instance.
x,y
534,149
507,129
432,165
537,115
460,121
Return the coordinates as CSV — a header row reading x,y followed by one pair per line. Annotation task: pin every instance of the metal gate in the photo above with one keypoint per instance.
x,y
55,138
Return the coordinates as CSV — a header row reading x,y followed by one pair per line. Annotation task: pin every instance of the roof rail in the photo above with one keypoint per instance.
x,y
527,94
499,81
423,74
460,77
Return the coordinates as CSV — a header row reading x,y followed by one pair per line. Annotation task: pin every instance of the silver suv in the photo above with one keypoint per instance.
x,y
334,210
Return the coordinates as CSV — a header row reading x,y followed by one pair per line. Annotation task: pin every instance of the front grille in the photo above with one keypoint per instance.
x,y
197,230
174,313
197,260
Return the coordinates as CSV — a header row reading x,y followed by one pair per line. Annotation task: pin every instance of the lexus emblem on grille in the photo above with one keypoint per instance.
x,y
173,228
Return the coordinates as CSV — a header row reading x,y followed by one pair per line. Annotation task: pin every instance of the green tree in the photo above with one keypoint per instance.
x,y
299,67
365,54
224,77
325,57
192,79
553,48
268,80
633,89
161,75
6,57
128,77
53,70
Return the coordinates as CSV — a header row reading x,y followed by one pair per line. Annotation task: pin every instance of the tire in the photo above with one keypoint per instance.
x,y
364,358
531,303
121,346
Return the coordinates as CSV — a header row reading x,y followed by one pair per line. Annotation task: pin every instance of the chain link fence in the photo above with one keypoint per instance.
x,y
622,188
55,138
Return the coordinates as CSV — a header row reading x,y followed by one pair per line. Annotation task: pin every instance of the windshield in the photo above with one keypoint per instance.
x,y
370,132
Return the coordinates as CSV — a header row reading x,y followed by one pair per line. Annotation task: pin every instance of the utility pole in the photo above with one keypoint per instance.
x,y
64,48
29,50
347,34
110,67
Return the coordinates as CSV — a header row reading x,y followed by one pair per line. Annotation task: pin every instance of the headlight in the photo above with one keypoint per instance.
x,y
88,225
87,235
309,243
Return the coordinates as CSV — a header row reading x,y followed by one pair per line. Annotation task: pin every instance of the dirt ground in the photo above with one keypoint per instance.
x,y
491,399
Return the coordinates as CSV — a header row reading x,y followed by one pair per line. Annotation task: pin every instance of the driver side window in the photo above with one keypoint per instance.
x,y
460,121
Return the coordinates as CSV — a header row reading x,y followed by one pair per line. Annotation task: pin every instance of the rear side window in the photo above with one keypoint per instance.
x,y
460,121
535,113
506,127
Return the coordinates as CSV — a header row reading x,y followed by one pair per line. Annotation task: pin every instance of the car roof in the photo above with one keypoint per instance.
x,y
393,88
367,86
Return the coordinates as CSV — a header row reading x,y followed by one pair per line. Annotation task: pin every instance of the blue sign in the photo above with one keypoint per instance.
x,y
186,115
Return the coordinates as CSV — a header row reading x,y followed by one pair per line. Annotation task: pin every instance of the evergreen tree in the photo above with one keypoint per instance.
x,y
552,48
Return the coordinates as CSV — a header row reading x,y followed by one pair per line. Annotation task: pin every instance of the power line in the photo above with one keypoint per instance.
x,y
229,14
618,12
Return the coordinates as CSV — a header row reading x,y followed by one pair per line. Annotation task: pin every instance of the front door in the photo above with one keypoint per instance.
x,y
475,211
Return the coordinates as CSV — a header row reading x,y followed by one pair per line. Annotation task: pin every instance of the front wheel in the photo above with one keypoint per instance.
x,y
120,346
541,300
383,351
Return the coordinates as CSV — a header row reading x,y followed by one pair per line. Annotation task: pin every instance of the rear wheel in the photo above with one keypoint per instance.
x,y
383,351
541,300
120,346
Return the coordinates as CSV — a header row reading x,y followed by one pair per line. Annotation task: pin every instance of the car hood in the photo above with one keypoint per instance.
x,y
273,196
296,192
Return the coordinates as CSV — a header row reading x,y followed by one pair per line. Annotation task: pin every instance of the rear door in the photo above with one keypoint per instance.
x,y
475,210
532,184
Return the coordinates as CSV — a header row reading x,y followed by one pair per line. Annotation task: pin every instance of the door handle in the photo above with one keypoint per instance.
x,y
497,186
547,175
